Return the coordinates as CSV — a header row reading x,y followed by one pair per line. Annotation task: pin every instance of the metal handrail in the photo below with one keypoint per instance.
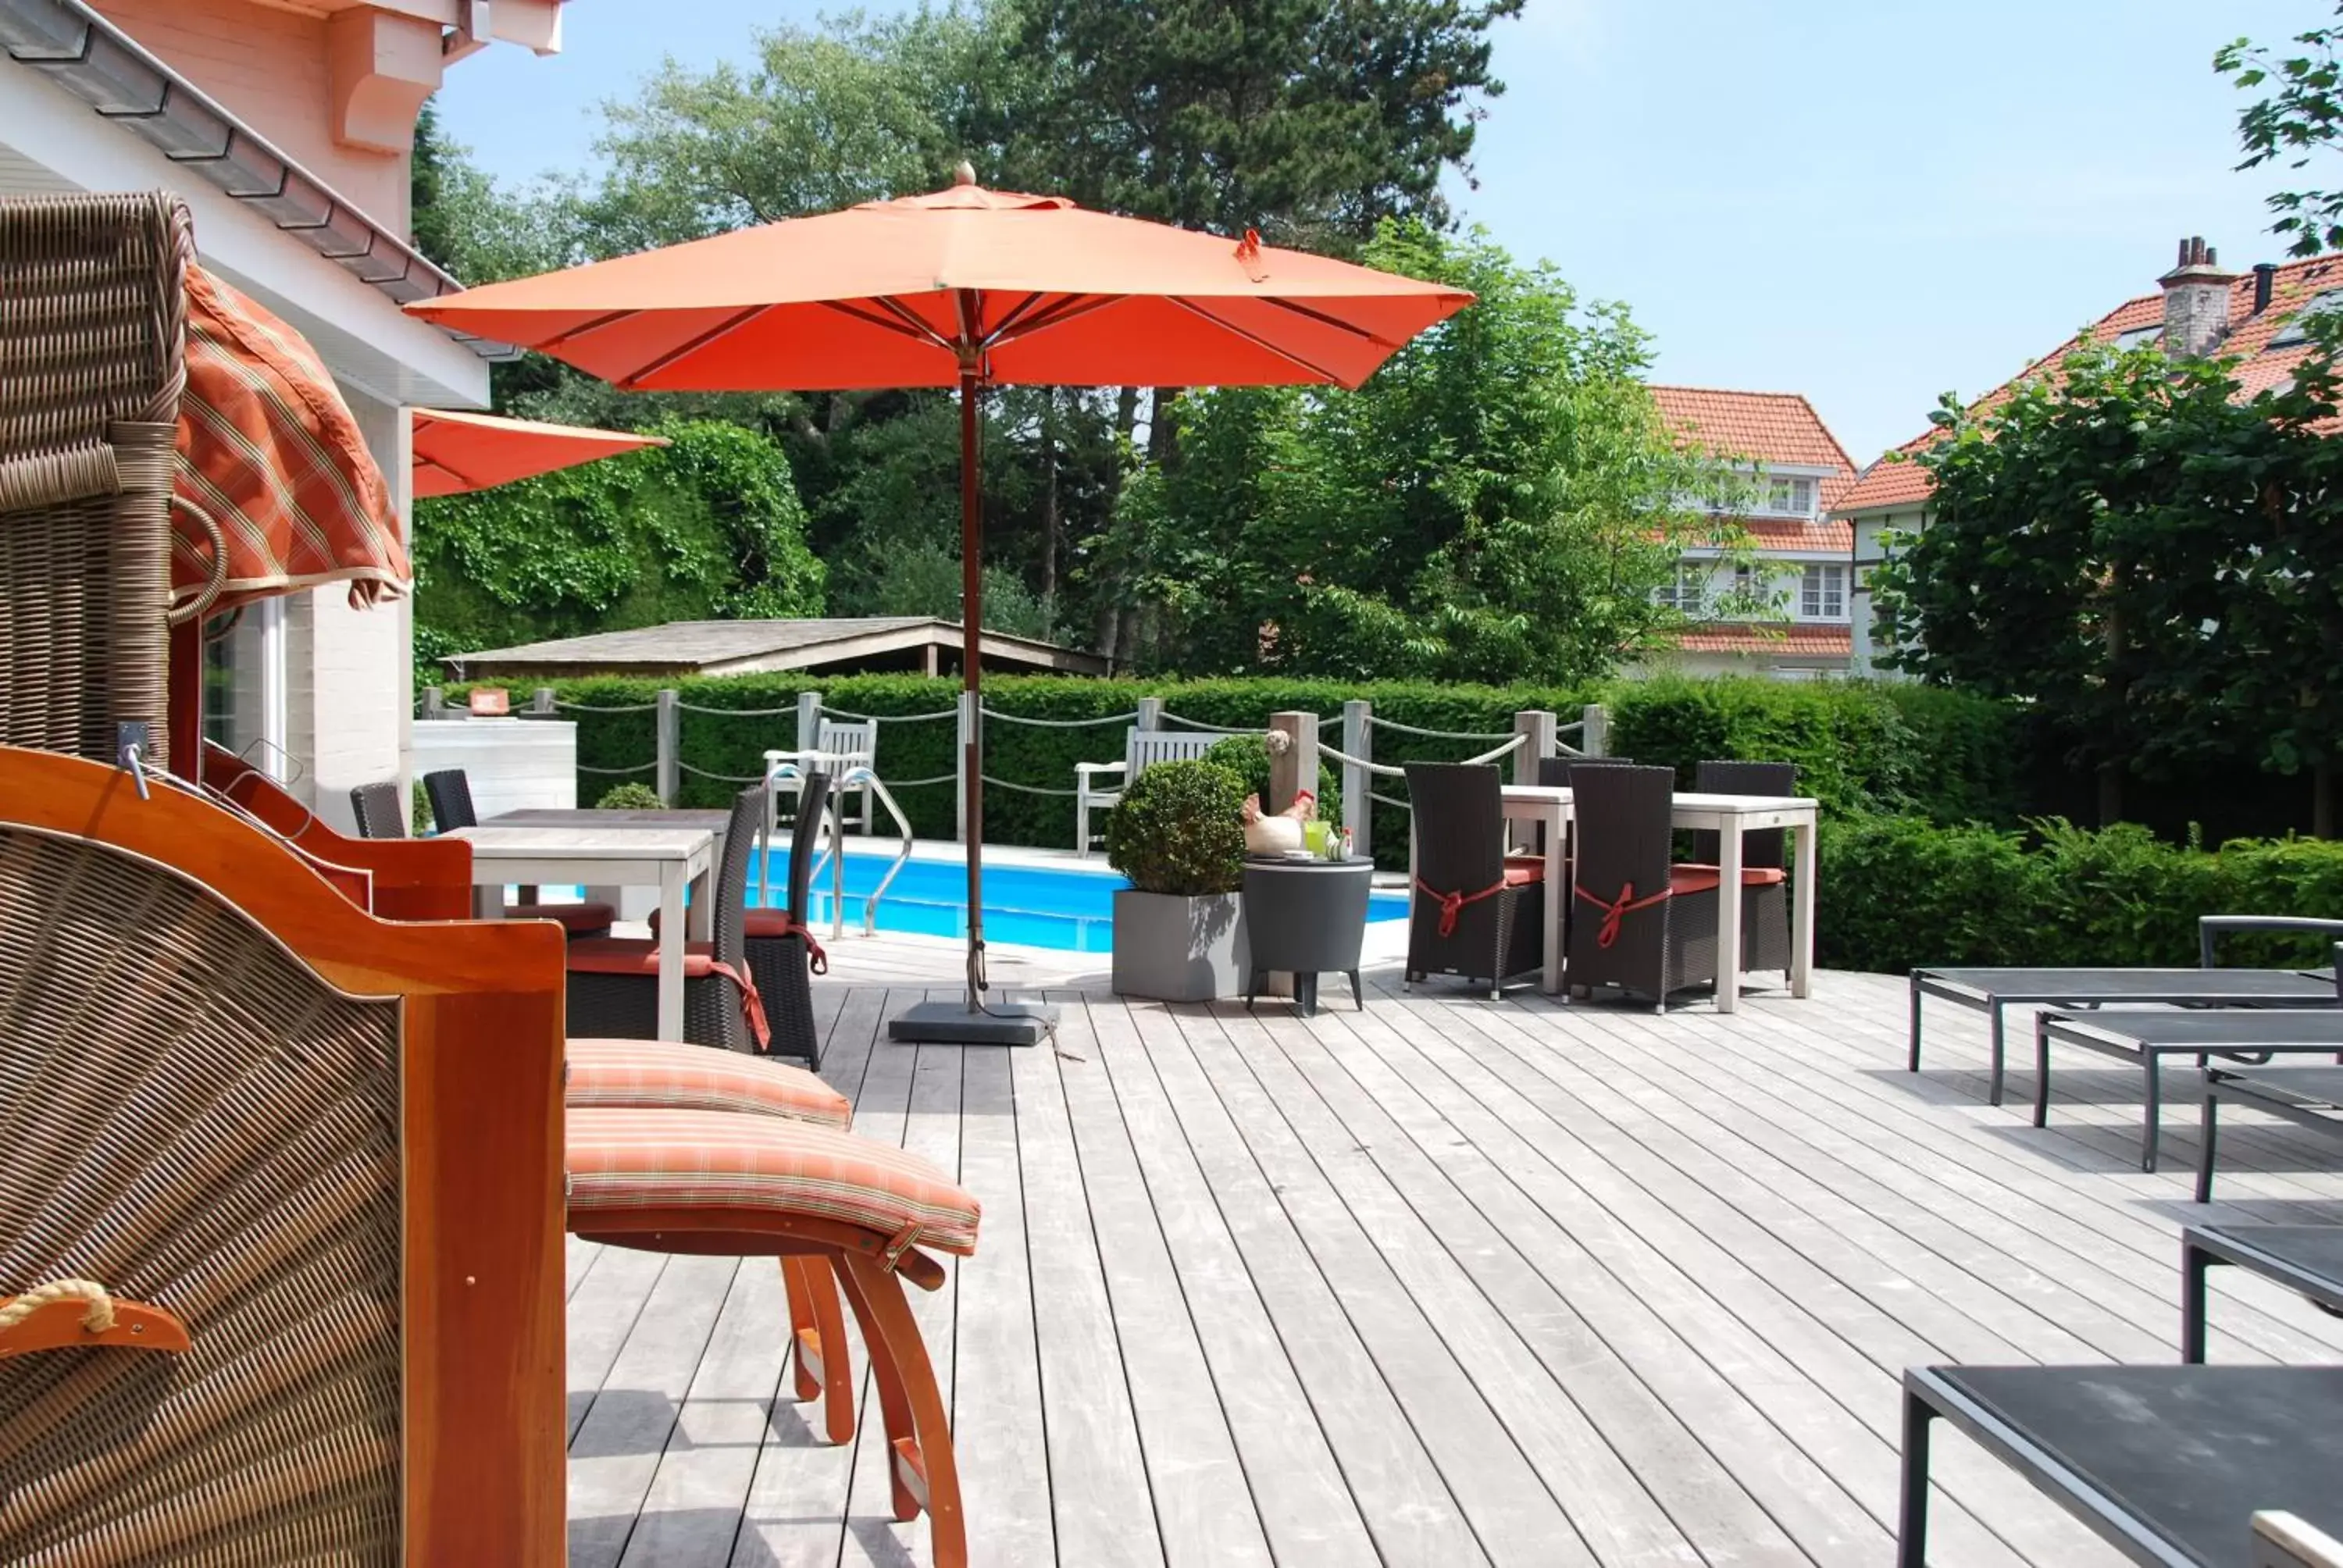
x,y
857,776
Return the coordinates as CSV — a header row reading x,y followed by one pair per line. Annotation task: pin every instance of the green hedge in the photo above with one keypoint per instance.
x,y
1858,745
1896,893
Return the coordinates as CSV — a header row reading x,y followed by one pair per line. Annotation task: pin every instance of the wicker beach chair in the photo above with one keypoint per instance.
x,y
1765,904
614,981
1638,922
1475,911
93,315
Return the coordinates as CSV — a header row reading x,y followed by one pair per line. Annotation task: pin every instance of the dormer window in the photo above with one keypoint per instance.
x,y
2148,337
1791,497
2295,330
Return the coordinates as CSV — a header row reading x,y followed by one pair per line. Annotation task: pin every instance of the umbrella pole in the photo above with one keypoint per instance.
x,y
973,1024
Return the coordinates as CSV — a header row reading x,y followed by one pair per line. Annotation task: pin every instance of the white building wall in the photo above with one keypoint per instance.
x,y
1871,534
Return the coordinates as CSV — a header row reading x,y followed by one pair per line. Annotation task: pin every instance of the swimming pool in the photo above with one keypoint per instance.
x,y
1039,907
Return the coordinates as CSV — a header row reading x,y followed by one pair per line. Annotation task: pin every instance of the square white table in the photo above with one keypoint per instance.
x,y
1728,817
668,859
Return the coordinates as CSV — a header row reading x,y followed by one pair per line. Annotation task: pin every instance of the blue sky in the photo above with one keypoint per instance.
x,y
1868,201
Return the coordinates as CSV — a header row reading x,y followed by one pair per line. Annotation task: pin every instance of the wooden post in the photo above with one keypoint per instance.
x,y
809,720
1296,768
1150,714
1540,726
1358,809
670,742
1595,740
541,701
434,703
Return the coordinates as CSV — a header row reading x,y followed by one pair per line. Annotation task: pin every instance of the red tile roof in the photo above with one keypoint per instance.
x,y
1888,483
1794,533
1764,427
1791,640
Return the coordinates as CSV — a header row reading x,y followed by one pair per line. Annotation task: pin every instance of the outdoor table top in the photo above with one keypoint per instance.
x,y
584,844
1684,800
2235,1029
2312,1087
2313,1250
2185,1454
2134,984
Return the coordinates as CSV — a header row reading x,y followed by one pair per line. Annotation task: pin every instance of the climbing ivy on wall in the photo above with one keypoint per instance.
x,y
706,528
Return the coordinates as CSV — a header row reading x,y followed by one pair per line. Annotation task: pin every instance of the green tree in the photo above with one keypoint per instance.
x,y
2146,557
1500,502
709,526
2298,116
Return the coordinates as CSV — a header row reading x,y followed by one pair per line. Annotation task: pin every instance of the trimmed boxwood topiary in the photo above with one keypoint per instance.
x,y
1178,829
629,797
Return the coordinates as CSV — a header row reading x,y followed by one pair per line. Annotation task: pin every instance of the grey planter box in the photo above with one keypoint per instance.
x,y
1173,948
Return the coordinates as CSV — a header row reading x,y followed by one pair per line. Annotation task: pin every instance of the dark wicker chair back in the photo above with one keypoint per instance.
x,y
731,925
1456,814
1620,817
451,800
93,341
805,843
1761,849
376,809
1459,823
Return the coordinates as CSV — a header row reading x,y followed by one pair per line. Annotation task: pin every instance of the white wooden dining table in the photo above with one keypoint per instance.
x,y
668,859
1729,817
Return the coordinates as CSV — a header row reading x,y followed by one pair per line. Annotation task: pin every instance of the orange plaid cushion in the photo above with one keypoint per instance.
x,y
632,1159
650,1074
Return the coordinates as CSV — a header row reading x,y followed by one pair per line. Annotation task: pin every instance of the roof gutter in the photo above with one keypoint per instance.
x,y
96,62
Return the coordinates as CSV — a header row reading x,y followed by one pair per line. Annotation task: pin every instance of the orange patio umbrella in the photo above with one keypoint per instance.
x,y
456,451
969,288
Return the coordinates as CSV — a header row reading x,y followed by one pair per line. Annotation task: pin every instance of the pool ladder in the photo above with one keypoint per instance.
x,y
786,768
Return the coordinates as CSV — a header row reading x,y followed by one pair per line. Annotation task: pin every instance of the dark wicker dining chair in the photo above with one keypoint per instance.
x,y
1764,904
614,981
377,808
450,792
1473,911
783,956
1639,923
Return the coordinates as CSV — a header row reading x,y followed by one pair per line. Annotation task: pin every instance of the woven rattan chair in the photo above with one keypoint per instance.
x,y
1639,923
614,981
783,956
93,321
1764,904
1475,913
377,808
450,791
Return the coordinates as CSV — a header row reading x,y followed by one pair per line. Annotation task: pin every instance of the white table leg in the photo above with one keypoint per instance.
x,y
1728,917
670,952
700,918
488,900
1557,901
1802,911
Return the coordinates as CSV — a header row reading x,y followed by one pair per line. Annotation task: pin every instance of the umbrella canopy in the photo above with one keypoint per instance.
x,y
456,452
969,288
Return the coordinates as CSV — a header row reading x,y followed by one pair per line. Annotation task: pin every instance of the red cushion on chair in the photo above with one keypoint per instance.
x,y
574,918
1521,871
1750,877
634,956
771,923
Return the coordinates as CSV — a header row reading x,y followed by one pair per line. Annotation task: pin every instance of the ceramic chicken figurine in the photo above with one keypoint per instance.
x,y
1282,833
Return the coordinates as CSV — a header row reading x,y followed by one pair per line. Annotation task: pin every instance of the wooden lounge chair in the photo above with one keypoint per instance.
x,y
1141,749
449,791
1995,990
1474,911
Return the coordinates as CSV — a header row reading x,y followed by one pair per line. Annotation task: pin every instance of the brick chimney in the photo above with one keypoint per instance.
x,y
2196,301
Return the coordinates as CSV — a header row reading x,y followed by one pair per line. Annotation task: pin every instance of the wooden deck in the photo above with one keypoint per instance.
x,y
1443,1283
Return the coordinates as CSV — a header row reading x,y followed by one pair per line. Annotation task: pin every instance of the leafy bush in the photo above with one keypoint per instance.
x,y
629,797
1895,892
1178,829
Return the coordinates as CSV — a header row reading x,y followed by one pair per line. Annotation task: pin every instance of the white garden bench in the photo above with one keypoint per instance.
x,y
1141,749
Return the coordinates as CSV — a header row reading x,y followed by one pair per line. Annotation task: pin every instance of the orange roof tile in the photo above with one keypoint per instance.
x,y
1764,427
1887,483
1793,638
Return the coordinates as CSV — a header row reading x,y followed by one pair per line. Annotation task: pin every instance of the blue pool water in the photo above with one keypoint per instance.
x,y
1054,906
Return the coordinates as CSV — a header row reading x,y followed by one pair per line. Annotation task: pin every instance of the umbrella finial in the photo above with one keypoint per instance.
x,y
963,173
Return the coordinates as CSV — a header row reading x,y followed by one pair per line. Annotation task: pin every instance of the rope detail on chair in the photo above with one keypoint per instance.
x,y
1452,904
1614,912
98,1320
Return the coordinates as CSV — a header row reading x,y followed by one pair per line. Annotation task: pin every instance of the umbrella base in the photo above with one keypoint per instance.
x,y
957,1024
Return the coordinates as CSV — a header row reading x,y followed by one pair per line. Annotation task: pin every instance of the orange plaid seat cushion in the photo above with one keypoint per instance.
x,y
620,1159
664,1074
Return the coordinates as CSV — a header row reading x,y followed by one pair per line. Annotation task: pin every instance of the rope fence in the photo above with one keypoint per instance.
x,y
992,783
1384,770
592,708
1060,723
828,712
1375,721
1199,725
734,713
638,768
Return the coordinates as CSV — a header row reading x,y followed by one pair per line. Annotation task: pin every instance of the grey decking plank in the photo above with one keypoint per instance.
x,y
1005,1467
1393,1125
1618,1521
929,1078
795,1514
602,1312
1140,1161
617,1449
691,1515
1406,1503
577,1260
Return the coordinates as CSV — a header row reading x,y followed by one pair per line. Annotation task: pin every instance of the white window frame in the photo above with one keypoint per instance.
x,y
1790,495
1821,591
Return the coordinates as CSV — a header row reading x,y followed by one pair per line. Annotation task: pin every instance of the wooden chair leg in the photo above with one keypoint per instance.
x,y
805,1358
894,1401
836,1366
925,1461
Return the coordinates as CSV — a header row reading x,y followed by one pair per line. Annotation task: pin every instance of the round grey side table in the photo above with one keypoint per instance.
x,y
1305,918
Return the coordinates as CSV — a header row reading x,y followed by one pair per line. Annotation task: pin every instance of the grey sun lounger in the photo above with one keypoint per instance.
x,y
2310,1096
2170,1464
2304,1258
1995,990
2148,1035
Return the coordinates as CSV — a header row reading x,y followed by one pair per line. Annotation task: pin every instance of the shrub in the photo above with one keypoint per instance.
x,y
1247,756
629,797
1178,829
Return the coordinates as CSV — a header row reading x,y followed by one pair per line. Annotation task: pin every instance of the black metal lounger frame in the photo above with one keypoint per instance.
x,y
2202,1246
2235,1085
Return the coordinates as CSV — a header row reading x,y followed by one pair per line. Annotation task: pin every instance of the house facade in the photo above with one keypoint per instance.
x,y
285,126
2199,308
1779,606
